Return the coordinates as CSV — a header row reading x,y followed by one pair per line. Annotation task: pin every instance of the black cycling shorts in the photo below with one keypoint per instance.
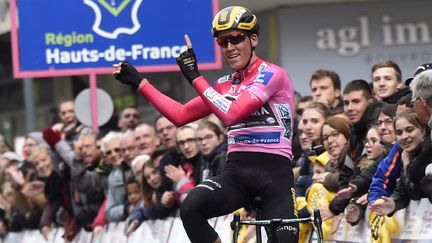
x,y
245,176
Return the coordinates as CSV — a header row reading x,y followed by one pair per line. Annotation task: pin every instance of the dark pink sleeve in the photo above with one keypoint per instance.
x,y
174,111
100,219
186,188
229,112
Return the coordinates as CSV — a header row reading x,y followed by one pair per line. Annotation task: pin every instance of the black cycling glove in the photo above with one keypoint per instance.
x,y
129,75
188,65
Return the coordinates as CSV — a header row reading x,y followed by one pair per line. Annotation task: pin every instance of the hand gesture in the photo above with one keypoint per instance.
x,y
33,189
168,199
383,206
15,175
51,136
325,212
336,223
352,213
77,149
45,232
98,231
188,63
363,200
127,74
347,192
176,174
132,227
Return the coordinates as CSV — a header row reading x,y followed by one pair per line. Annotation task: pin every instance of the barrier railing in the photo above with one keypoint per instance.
x,y
414,224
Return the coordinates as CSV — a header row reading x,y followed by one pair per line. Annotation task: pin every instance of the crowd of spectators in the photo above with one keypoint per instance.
x,y
365,145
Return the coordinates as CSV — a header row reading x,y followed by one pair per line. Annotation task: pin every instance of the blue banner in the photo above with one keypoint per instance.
x,y
56,35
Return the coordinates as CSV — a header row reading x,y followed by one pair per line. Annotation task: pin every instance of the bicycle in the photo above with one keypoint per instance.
x,y
272,224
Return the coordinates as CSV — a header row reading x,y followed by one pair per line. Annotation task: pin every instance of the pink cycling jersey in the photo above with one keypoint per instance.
x,y
256,107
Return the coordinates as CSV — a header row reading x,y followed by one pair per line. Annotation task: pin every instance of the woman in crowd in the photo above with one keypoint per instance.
x,y
374,152
336,132
152,191
385,125
182,175
415,182
212,142
313,118
55,190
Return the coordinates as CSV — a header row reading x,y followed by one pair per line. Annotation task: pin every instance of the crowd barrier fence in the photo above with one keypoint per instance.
x,y
414,225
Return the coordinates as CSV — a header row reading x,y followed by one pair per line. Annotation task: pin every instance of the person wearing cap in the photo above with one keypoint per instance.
x,y
421,86
31,140
317,196
256,103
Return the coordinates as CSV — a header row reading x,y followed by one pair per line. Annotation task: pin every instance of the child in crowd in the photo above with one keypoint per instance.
x,y
316,196
133,194
147,207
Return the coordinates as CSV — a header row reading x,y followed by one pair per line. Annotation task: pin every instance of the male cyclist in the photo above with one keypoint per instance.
x,y
256,104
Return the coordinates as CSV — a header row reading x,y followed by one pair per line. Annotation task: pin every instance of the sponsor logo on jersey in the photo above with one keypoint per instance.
x,y
263,117
224,79
285,115
263,78
263,67
256,138
232,89
217,99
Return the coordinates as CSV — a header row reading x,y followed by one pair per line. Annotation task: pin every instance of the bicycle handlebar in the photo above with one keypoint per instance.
x,y
315,219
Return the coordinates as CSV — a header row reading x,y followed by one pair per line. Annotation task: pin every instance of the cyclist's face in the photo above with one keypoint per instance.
x,y
236,47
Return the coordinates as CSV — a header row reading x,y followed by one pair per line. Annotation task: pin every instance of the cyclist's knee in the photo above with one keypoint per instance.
x,y
189,209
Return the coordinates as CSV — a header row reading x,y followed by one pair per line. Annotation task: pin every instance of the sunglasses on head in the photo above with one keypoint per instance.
x,y
234,39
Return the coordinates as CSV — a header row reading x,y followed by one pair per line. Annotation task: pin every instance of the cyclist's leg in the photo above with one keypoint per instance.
x,y
216,196
279,200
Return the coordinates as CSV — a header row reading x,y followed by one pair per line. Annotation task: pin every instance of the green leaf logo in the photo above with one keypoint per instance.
x,y
113,10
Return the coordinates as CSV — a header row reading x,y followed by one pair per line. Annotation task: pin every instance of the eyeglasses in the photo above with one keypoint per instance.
x,y
370,141
386,122
116,150
205,138
333,135
182,143
234,39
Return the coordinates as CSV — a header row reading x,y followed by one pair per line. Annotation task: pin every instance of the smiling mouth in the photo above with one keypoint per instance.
x,y
407,143
233,56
